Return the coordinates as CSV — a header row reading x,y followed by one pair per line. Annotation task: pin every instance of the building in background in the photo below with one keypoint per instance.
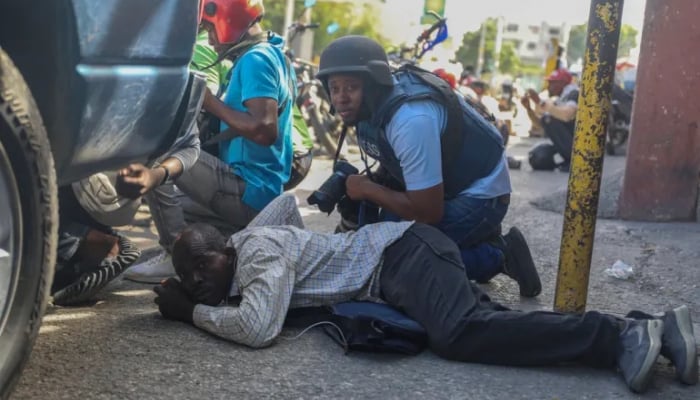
x,y
533,42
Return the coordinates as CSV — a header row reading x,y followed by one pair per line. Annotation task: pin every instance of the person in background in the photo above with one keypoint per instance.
x,y
558,113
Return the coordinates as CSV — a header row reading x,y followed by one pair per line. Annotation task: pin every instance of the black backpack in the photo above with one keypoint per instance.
x,y
541,157
363,326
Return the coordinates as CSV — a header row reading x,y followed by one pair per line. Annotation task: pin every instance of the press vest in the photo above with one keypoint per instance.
x,y
471,146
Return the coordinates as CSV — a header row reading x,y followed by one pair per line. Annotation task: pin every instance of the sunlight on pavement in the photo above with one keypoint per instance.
x,y
48,329
68,316
134,293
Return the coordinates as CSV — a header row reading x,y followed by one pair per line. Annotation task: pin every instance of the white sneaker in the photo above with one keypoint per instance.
x,y
153,270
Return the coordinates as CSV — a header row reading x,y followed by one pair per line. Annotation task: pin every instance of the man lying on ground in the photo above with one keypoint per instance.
x,y
275,265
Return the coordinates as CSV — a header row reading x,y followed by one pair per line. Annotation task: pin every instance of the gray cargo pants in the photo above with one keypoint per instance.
x,y
208,192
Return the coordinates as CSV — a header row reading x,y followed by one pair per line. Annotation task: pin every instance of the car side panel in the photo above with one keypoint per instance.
x,y
131,73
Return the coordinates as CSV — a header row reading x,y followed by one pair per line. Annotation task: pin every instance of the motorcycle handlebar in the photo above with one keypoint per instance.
x,y
303,27
426,33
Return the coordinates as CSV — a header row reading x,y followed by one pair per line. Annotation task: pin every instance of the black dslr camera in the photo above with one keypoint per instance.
x,y
333,189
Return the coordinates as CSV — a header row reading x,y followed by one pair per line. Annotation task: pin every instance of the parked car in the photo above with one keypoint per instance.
x,y
85,86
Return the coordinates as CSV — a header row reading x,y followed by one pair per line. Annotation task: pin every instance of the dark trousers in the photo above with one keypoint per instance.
x,y
422,275
74,224
561,134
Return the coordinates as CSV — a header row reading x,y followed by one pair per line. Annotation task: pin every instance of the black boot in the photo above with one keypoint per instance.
x,y
519,264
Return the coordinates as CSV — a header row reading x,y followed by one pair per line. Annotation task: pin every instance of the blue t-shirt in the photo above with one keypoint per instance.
x,y
261,73
414,134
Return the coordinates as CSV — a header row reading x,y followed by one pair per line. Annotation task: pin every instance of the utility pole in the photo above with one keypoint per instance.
x,y
578,232
482,44
288,18
499,43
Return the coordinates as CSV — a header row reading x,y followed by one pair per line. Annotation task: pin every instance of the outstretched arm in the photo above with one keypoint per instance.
x,y
266,290
414,135
265,298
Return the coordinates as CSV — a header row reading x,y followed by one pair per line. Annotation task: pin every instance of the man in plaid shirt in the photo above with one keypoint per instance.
x,y
274,265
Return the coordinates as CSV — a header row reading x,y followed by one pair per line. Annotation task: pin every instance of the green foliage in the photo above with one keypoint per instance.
x,y
509,60
353,20
576,47
628,40
468,53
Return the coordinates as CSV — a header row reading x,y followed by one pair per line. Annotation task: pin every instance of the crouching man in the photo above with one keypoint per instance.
x,y
275,265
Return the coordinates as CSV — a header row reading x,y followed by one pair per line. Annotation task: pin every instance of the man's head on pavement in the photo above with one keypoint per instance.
x,y
228,21
356,74
557,81
204,264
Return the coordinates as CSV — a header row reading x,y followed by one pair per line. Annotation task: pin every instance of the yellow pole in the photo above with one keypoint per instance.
x,y
551,63
587,157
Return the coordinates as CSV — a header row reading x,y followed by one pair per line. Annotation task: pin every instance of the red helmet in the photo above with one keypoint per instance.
x,y
447,77
230,19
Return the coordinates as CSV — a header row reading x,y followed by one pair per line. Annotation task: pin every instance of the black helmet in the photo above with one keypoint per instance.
x,y
355,54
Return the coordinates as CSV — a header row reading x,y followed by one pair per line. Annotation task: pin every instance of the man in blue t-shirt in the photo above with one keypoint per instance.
x,y
255,143
462,187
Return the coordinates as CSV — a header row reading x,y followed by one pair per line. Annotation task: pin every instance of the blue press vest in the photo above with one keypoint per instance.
x,y
481,144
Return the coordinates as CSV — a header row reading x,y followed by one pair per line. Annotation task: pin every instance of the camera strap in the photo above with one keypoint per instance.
x,y
341,140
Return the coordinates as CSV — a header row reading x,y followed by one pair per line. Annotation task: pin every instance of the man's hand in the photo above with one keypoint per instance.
x,y
357,187
534,96
136,180
173,302
209,100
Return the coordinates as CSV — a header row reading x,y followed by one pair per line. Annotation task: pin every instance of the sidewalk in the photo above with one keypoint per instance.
x,y
121,348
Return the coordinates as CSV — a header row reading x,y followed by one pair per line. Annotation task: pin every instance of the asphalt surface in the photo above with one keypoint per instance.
x,y
120,347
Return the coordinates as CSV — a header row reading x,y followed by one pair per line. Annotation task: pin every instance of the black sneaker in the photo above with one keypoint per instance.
x,y
89,283
519,264
640,344
678,344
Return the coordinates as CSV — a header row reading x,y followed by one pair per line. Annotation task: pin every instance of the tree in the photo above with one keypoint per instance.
x,y
576,46
352,20
509,60
628,40
468,53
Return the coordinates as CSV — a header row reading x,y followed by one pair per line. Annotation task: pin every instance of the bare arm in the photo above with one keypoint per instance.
x,y
266,291
414,135
258,123
564,112
424,206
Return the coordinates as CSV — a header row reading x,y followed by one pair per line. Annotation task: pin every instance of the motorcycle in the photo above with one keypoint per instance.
x,y
423,44
312,99
619,121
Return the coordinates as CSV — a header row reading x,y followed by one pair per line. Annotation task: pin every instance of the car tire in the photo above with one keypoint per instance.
x,y
28,222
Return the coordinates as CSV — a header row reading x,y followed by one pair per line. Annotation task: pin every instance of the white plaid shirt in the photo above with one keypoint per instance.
x,y
280,266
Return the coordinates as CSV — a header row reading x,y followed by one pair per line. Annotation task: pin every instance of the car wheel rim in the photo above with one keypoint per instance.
x,y
10,234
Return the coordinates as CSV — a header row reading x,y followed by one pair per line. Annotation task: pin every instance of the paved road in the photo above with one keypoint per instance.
x,y
120,348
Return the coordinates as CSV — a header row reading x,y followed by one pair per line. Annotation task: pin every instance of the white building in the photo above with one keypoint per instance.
x,y
532,42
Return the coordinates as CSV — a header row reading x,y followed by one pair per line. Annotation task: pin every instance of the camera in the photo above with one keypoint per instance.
x,y
333,189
